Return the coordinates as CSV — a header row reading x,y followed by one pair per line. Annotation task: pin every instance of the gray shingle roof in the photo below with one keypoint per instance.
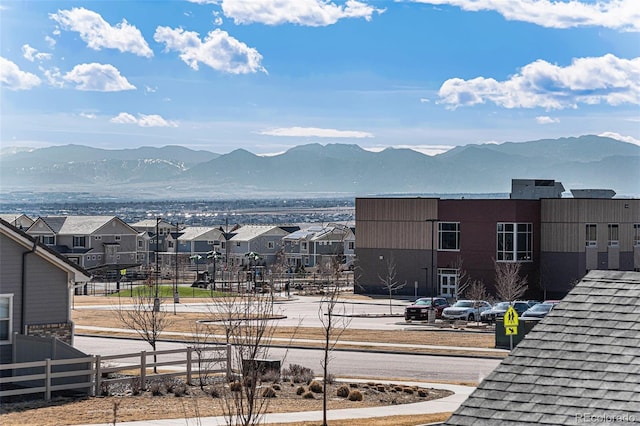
x,y
584,357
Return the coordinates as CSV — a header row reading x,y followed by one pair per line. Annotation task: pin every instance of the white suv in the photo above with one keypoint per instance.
x,y
468,310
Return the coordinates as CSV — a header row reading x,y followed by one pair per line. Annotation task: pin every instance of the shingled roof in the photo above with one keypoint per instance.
x,y
582,360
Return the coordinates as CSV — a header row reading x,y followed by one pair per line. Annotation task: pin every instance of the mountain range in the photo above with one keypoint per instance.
x,y
315,170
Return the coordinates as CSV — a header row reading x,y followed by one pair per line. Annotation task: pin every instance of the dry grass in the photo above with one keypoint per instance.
x,y
196,404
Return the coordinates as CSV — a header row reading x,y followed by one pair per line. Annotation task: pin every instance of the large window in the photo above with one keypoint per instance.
x,y
448,236
6,313
79,241
49,240
515,242
591,239
636,234
613,235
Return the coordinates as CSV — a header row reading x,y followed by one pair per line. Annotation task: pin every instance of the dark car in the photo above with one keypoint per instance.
x,y
498,310
419,310
538,311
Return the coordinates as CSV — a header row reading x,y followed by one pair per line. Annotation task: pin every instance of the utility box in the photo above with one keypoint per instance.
x,y
503,341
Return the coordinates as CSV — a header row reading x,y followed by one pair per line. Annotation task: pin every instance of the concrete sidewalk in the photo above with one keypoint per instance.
x,y
443,405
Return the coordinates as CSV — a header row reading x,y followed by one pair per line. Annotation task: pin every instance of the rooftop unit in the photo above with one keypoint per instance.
x,y
534,189
593,193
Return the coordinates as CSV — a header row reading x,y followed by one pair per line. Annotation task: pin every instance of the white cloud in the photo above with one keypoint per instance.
x,y
14,78
50,41
98,78
545,119
98,34
219,50
315,132
313,13
149,89
124,118
31,54
606,79
89,115
620,137
616,14
143,120
53,76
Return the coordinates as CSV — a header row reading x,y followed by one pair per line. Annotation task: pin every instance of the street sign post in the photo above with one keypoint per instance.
x,y
511,322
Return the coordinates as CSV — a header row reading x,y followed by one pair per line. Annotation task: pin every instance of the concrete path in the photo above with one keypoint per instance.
x,y
443,405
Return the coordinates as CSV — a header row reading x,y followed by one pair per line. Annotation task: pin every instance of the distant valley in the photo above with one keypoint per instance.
x,y
315,171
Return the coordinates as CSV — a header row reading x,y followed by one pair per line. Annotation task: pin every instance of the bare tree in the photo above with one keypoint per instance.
x,y
462,280
144,318
510,285
334,321
389,280
477,292
248,322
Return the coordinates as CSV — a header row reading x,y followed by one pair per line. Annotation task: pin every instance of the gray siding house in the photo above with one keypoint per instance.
x,y
265,240
35,289
97,243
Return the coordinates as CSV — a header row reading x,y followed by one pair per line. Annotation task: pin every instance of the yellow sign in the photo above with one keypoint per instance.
x,y
123,272
511,317
511,331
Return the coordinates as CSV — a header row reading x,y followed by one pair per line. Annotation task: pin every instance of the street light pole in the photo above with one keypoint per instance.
x,y
156,300
432,265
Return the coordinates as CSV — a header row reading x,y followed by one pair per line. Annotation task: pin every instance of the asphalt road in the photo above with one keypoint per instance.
x,y
343,363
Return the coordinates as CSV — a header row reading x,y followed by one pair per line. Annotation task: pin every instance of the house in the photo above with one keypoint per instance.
x,y
35,289
316,245
193,245
19,220
579,365
263,240
101,244
556,241
148,244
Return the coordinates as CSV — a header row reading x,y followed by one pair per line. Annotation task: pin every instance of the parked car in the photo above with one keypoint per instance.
x,y
419,310
498,310
538,311
468,310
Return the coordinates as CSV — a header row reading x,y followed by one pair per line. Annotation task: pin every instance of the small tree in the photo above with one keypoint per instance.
x,y
462,280
389,281
144,318
510,285
334,323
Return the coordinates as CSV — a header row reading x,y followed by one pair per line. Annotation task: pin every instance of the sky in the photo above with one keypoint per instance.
x,y
268,75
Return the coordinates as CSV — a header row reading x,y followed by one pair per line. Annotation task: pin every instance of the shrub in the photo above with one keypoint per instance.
x,y
308,395
156,388
298,374
300,390
343,391
214,392
235,387
180,389
276,386
408,390
315,386
422,393
355,395
268,392
353,385
331,379
271,376
381,388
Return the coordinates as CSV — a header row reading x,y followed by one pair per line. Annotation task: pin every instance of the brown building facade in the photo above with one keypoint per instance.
x,y
428,241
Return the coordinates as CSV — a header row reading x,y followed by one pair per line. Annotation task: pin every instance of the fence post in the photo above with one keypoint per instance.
x,y
189,350
98,372
143,369
47,379
228,361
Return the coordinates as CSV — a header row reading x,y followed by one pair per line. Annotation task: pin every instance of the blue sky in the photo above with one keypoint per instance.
x,y
267,75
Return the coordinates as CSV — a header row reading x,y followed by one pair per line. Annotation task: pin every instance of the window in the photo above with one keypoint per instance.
x,y
352,245
6,316
591,235
98,237
515,242
118,237
48,240
140,243
78,241
448,236
636,234
270,244
304,246
613,235
237,243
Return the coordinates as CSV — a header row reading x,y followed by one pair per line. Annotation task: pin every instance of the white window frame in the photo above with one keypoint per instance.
x,y
591,242
48,240
613,233
442,232
505,238
8,319
84,240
